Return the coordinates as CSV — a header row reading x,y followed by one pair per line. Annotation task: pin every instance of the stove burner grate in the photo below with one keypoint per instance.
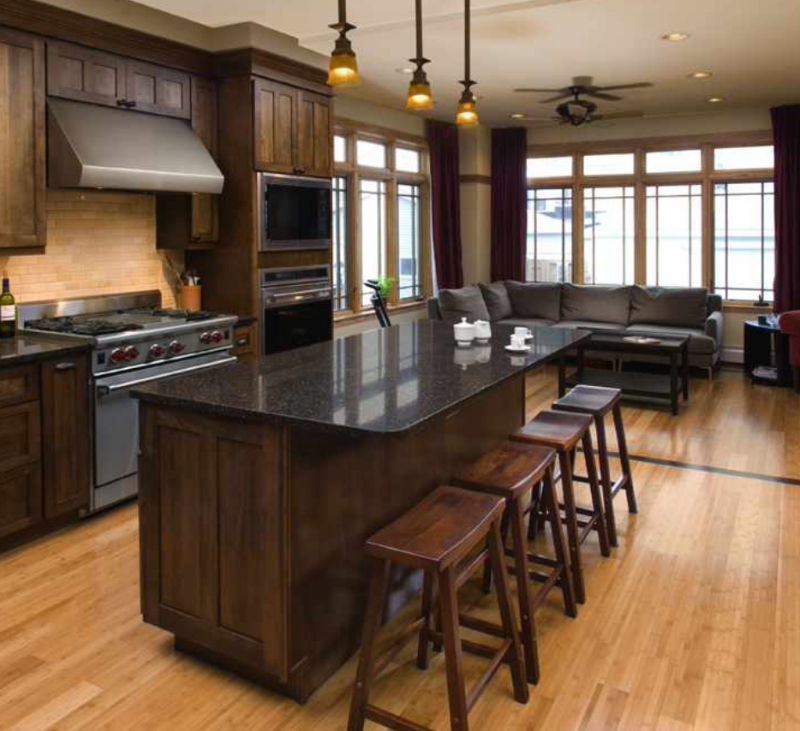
x,y
89,327
174,313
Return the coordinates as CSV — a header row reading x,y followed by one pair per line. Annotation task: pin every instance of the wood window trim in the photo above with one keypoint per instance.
x,y
349,317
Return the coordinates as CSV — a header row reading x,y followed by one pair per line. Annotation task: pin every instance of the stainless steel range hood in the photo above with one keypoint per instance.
x,y
99,147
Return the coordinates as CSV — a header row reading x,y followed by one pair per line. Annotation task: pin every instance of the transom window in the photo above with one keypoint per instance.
x,y
370,154
674,161
616,164
744,158
407,161
540,168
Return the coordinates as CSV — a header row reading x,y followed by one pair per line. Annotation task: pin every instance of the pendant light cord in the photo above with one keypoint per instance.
x,y
419,28
467,33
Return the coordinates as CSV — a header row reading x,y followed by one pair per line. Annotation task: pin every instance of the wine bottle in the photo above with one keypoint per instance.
x,y
8,311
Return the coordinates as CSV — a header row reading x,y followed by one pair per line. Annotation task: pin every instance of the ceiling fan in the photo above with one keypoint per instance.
x,y
579,111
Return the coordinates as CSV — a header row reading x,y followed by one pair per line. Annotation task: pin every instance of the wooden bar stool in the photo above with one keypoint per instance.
x,y
444,529
562,432
512,470
597,402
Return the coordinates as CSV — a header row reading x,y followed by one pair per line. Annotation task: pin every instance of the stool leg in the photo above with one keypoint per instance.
x,y
594,487
497,554
554,516
523,590
487,566
379,585
423,646
456,693
623,458
605,478
571,516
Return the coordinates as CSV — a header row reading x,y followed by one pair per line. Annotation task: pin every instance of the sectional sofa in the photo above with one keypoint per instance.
x,y
654,311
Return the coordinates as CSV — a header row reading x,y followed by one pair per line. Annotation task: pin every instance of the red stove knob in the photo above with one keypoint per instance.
x,y
117,355
156,351
176,346
131,353
216,336
206,338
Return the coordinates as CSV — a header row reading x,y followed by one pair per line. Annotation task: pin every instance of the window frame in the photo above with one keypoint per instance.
x,y
641,179
353,131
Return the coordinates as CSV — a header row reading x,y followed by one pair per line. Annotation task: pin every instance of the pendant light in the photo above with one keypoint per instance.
x,y
419,90
467,115
343,68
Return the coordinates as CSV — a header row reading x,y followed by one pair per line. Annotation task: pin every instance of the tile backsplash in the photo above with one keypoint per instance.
x,y
97,243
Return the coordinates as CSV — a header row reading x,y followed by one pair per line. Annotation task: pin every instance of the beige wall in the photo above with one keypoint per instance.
x,y
475,161
371,113
97,243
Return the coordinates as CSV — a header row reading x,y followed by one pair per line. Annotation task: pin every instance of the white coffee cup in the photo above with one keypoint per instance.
x,y
517,341
523,332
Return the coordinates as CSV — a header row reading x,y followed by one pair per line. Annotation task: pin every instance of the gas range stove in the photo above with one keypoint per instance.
x,y
130,331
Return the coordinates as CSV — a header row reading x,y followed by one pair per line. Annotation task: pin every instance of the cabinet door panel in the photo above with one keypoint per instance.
x,y
275,126
314,135
205,208
23,215
158,90
65,432
20,437
74,72
20,498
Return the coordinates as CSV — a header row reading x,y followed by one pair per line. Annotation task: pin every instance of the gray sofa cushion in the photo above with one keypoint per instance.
x,y
465,302
526,322
588,325
685,307
595,304
497,302
535,300
699,342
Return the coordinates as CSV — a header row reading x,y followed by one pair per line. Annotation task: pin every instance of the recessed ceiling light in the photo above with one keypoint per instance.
x,y
701,75
715,100
404,70
517,115
675,37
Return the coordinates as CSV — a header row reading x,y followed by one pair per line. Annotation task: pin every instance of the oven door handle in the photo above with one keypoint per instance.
x,y
301,295
104,390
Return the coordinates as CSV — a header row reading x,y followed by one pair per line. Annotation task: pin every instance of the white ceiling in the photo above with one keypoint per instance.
x,y
749,45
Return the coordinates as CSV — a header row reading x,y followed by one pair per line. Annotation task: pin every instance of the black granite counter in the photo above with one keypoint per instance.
x,y
26,348
381,381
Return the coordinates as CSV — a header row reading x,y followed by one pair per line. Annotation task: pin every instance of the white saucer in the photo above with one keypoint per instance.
x,y
524,349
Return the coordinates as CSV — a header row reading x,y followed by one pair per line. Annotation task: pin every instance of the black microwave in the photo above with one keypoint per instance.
x,y
295,213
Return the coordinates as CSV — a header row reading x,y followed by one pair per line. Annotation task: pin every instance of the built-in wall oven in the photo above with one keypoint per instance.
x,y
295,213
296,307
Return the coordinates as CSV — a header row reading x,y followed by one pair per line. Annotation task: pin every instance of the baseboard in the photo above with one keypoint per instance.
x,y
733,355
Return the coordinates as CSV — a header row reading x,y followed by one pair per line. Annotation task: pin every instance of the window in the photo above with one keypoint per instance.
x,y
549,237
339,149
409,236
608,164
744,158
608,235
371,154
372,233
674,161
744,240
674,235
406,161
341,298
549,167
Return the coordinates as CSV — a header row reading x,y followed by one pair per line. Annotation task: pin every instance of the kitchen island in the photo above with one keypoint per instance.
x,y
259,483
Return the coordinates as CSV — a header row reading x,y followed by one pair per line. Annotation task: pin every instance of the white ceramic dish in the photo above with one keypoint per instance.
x,y
524,349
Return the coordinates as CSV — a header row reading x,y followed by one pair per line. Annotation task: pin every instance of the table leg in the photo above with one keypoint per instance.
x,y
562,376
685,371
673,382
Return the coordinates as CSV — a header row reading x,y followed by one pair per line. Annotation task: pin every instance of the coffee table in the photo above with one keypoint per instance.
x,y
674,349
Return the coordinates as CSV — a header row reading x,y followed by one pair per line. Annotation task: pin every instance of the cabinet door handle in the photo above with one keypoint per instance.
x,y
66,366
241,342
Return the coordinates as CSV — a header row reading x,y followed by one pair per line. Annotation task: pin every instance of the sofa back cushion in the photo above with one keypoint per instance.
x,y
535,300
465,302
596,304
497,302
680,307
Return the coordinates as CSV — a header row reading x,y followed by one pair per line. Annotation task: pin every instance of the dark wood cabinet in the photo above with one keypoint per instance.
x,y
23,216
86,75
65,432
292,130
20,499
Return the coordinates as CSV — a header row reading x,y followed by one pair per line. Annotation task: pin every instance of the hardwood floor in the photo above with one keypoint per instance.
x,y
694,623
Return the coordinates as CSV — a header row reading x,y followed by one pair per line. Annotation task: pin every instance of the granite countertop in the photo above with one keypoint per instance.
x,y
382,381
26,347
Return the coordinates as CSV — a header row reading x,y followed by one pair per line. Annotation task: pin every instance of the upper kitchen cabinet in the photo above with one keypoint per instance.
x,y
205,207
292,132
23,216
86,75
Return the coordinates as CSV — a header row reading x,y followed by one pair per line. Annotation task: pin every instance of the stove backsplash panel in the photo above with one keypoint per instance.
x,y
97,243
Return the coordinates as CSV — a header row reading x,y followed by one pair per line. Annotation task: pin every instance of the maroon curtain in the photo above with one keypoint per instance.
x,y
786,128
509,191
446,203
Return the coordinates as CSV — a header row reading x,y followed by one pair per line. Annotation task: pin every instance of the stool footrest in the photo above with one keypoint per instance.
x,y
497,660
389,720
481,625
470,568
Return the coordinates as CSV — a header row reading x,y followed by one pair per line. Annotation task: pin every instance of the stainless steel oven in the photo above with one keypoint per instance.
x,y
296,307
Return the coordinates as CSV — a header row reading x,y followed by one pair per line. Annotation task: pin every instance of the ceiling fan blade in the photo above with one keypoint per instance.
x,y
544,91
558,98
620,87
619,115
603,95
